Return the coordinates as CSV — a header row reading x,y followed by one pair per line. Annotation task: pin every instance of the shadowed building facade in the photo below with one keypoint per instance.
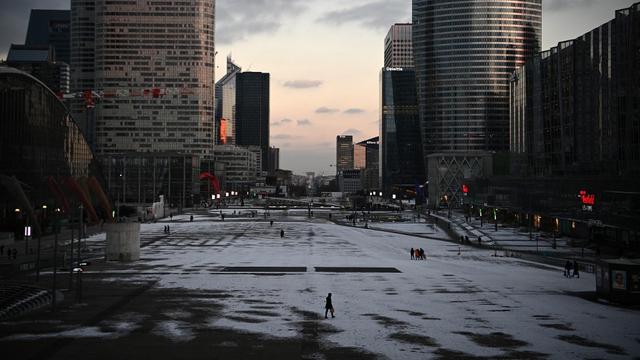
x,y
401,160
465,53
252,112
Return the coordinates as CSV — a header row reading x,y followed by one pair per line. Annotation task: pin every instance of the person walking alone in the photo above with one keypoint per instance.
x,y
328,306
281,233
567,269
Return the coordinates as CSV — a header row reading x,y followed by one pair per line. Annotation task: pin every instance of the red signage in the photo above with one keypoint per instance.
x,y
587,199
465,188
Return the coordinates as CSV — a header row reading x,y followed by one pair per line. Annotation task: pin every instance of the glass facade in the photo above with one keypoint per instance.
x,y
401,160
344,153
38,139
465,52
574,108
140,178
252,112
51,28
226,105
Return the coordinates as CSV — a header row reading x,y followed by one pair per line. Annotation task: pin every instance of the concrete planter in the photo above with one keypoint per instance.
x,y
123,241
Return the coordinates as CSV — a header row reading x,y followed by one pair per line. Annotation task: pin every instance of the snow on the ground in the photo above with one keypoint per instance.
x,y
446,298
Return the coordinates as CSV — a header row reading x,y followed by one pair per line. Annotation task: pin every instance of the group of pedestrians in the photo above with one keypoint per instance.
x,y
571,269
11,253
418,254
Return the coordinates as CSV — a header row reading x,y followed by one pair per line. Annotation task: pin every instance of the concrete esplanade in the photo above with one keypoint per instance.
x,y
123,241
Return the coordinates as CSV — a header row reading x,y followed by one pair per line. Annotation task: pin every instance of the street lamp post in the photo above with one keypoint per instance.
x,y
55,262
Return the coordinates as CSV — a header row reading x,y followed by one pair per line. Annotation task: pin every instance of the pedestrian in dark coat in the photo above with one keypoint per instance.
x,y
567,269
271,223
328,306
576,272
422,255
411,254
281,233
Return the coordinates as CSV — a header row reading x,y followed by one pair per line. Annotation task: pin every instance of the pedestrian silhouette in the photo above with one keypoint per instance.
x,y
168,229
567,269
411,253
191,218
328,306
271,223
281,233
576,272
422,255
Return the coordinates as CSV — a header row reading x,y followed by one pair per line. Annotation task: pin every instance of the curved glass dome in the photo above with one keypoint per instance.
x,y
38,137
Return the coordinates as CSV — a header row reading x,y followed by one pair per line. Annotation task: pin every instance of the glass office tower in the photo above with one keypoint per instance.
x,y
465,52
401,160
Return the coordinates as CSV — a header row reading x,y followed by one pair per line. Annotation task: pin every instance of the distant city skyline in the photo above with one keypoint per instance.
x,y
324,59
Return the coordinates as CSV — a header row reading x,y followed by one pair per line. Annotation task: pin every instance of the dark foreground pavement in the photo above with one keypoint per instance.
x,y
124,320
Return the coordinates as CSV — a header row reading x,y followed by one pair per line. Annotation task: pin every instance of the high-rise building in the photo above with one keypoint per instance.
x,y
366,155
226,104
574,108
274,160
401,160
154,66
252,112
398,47
344,153
82,66
241,166
465,53
51,28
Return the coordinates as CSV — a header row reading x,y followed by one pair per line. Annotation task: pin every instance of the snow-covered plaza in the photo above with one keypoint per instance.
x,y
245,278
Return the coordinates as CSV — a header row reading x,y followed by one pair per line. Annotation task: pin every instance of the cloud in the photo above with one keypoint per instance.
x,y
304,122
237,20
281,122
302,84
326,110
281,137
352,131
354,111
379,14
555,5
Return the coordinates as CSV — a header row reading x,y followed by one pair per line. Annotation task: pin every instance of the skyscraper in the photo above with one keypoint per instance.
x,y
574,107
344,153
82,68
51,28
252,112
465,53
226,104
398,47
154,66
366,156
273,162
401,160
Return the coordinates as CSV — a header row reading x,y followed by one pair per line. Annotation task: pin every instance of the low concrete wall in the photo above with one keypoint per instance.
x,y
123,241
